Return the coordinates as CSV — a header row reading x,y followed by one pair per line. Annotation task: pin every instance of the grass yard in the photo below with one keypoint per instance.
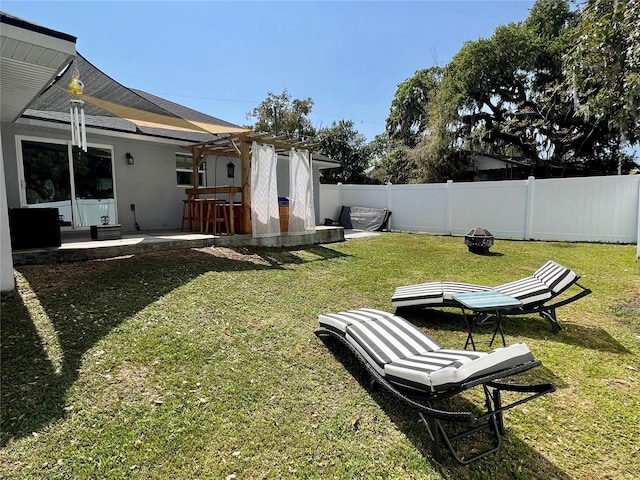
x,y
204,364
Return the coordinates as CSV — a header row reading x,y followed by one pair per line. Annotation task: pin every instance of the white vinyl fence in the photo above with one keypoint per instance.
x,y
587,209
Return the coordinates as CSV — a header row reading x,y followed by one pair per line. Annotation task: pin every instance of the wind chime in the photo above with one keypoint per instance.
x,y
78,126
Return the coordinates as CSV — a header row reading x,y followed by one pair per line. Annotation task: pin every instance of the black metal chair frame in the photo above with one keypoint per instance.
x,y
433,418
548,312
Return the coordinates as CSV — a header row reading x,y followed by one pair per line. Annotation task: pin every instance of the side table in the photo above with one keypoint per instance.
x,y
480,303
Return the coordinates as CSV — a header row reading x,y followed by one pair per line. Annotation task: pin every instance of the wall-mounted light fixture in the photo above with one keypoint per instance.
x,y
129,158
230,169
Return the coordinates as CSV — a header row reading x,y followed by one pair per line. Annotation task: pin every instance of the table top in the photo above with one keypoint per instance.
x,y
210,190
490,300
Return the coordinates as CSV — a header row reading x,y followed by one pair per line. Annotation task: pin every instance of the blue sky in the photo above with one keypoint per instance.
x,y
223,58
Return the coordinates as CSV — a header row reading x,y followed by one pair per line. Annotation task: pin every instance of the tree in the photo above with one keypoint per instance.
x,y
604,64
343,143
405,127
507,95
438,156
409,114
390,161
280,115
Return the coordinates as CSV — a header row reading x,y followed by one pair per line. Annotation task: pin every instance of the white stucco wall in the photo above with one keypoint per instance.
x,y
149,184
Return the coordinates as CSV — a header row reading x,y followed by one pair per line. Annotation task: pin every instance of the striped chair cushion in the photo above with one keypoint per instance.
x,y
387,339
555,276
445,369
548,281
449,289
528,290
421,294
432,293
340,321
408,357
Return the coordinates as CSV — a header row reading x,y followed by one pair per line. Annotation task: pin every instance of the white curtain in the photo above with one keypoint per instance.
x,y
302,217
265,216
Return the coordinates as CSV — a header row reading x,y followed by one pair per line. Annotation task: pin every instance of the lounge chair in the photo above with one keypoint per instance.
x,y
417,370
535,292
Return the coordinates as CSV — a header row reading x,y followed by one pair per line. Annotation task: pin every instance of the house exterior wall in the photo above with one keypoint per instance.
x,y
487,163
149,184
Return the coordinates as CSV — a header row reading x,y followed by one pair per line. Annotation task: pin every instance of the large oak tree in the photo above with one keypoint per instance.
x,y
508,95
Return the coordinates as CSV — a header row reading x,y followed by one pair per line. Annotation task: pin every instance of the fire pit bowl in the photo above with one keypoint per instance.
x,y
479,240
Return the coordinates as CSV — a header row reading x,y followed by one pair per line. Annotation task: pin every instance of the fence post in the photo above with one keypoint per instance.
x,y
528,214
638,225
389,184
448,212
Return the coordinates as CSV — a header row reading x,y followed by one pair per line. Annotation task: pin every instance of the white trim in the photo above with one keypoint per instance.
x,y
104,132
7,280
41,39
202,170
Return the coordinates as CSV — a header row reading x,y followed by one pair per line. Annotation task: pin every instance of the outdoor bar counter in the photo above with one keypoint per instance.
x,y
230,190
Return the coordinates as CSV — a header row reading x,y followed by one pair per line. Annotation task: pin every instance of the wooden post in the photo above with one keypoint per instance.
x,y
245,168
196,158
196,167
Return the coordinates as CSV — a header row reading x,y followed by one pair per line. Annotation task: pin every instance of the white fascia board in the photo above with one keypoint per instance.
x,y
40,39
105,133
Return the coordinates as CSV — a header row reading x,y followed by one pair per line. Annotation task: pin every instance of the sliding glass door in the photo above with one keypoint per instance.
x,y
94,201
82,189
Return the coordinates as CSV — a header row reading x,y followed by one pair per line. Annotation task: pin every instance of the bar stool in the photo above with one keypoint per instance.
x,y
192,213
213,217
187,214
199,212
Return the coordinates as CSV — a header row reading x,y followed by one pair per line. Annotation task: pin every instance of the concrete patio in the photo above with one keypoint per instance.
x,y
78,246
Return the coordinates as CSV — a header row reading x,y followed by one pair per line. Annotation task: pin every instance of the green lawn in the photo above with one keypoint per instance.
x,y
204,364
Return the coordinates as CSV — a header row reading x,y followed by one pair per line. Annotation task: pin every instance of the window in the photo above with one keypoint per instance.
x,y
184,171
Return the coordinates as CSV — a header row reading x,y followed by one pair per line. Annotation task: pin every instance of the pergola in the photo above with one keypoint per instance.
x,y
238,145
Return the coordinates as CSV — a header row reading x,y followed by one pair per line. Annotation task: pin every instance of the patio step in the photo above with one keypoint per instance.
x,y
79,248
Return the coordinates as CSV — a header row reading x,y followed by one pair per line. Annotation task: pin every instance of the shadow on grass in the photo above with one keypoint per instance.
x,y
293,255
515,458
59,312
529,326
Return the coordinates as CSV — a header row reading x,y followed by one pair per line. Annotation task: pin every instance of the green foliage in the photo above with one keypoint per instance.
x,y
508,95
604,64
439,156
343,143
280,115
391,161
409,113
505,88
